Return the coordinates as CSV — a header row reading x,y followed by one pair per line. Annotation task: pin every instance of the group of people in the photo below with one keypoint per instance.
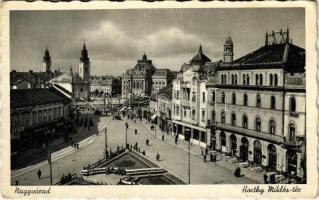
x,y
74,144
65,178
85,122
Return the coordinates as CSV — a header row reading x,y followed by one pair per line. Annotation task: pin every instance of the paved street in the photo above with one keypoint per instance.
x,y
174,158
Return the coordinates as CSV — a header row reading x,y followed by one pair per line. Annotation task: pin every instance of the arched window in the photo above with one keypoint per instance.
x,y
272,127
258,101
292,132
245,121
258,124
234,98
244,79
213,97
292,106
257,79
223,97
245,100
233,119
236,79
273,103
261,79
232,79
276,80
222,117
213,116
270,79
247,79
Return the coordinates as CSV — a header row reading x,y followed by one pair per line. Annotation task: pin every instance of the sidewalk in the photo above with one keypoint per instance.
x,y
37,155
196,150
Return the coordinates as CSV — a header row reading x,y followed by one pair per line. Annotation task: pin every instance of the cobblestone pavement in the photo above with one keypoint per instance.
x,y
173,158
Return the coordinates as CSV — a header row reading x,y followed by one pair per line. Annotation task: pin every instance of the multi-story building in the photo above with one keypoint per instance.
x,y
108,85
36,115
189,101
257,105
144,79
77,84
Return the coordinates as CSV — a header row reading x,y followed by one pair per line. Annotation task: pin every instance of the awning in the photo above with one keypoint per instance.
x,y
153,117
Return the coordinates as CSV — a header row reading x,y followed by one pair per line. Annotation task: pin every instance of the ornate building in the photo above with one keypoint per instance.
x,y
108,85
257,105
144,79
76,84
190,98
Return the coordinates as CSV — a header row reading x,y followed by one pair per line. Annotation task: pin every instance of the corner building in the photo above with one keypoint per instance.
x,y
257,105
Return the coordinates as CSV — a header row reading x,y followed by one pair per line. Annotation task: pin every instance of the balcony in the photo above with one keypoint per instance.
x,y
294,114
250,133
295,142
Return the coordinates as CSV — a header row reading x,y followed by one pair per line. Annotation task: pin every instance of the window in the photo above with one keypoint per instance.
x,y
244,79
245,121
235,79
193,114
177,94
257,79
234,98
260,79
213,116
276,80
34,117
247,79
222,117
292,106
203,115
203,97
233,119
40,116
81,90
184,112
245,100
213,98
258,101
292,132
232,79
273,103
270,79
258,124
272,127
223,97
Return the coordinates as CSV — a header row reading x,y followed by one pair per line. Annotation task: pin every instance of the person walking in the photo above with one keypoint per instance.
x,y
39,174
205,158
162,137
265,178
135,131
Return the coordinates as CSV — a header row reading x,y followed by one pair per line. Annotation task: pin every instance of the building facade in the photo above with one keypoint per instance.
x,y
257,105
144,79
189,101
36,115
108,85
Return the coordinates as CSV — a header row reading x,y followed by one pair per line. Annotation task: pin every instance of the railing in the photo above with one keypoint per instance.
x,y
252,133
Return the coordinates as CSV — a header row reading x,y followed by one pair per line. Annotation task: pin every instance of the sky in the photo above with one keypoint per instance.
x,y
115,39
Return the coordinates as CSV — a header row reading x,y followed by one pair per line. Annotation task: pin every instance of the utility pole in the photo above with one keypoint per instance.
x,y
105,132
50,164
126,126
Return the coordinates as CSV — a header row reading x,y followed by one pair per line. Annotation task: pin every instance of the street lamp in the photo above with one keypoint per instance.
x,y
126,126
105,132
187,134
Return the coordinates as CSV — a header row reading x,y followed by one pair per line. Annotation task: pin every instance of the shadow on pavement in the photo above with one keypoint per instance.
x,y
37,155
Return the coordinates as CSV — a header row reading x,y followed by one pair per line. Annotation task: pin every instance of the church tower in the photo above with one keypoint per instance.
x,y
46,61
84,66
228,50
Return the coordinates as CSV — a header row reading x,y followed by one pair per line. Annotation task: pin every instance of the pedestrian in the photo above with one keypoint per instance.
x,y
206,151
211,157
162,137
176,138
135,131
16,183
147,142
265,178
77,145
39,173
157,156
205,158
135,121
237,172
143,153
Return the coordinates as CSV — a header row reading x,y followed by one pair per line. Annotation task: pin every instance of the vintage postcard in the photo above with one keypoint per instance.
x,y
159,100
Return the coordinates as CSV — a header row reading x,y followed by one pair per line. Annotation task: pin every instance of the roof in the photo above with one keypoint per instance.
x,y
200,57
32,77
288,55
68,78
31,97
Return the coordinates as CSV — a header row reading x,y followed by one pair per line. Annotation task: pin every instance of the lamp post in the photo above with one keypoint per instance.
x,y
50,164
126,126
187,133
105,136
